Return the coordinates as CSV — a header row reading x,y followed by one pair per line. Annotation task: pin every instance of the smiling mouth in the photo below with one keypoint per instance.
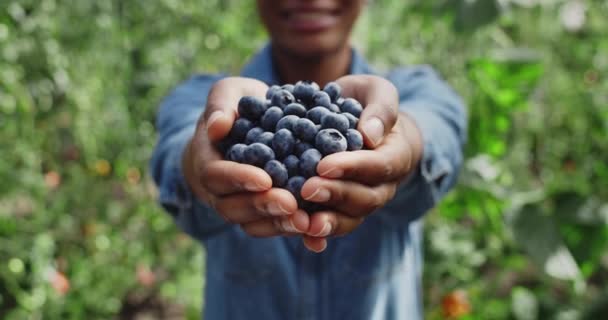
x,y
310,20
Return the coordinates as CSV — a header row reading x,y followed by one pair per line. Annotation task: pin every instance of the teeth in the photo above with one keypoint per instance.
x,y
309,15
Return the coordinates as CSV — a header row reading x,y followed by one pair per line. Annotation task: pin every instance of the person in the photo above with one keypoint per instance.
x,y
267,259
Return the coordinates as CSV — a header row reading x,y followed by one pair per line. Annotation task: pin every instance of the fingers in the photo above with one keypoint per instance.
x,y
351,198
223,177
380,100
389,162
222,104
298,222
330,223
247,207
315,244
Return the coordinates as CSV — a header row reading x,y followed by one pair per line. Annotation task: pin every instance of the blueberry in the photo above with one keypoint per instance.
x,y
304,91
333,90
352,120
239,129
321,98
253,134
282,98
236,153
295,109
330,141
270,118
335,121
334,108
225,144
316,114
257,154
294,185
287,122
251,108
283,143
265,138
271,91
292,164
354,140
305,130
288,87
352,106
301,147
277,171
308,162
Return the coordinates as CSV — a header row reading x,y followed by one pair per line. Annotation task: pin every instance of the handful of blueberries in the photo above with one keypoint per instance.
x,y
289,133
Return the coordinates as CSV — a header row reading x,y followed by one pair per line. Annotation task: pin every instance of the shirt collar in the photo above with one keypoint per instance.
x,y
262,67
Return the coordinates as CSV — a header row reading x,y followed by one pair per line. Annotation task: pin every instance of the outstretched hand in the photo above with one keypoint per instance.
x,y
353,184
242,194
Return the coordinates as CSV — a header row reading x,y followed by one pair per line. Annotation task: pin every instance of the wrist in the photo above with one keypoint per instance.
x,y
413,137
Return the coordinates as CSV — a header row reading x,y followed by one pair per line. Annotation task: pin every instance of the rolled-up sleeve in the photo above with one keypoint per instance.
x,y
175,123
440,115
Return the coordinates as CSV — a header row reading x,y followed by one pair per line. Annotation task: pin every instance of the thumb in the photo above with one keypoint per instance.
x,y
380,100
222,102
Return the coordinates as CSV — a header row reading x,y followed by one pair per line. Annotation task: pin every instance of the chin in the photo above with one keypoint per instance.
x,y
312,47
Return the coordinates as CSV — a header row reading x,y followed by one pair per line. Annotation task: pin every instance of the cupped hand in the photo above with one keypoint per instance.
x,y
351,185
242,194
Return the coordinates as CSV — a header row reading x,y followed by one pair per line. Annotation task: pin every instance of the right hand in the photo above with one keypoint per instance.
x,y
242,194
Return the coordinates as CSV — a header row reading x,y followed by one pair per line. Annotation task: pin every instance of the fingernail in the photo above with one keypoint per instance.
x,y
288,226
325,231
333,173
374,130
320,195
254,187
275,209
213,117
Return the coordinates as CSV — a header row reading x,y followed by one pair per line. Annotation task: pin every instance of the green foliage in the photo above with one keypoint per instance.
x,y
524,234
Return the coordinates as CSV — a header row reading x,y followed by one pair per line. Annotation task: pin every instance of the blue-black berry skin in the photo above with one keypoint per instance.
x,y
240,128
288,87
330,141
354,140
304,92
305,130
282,98
321,98
334,108
333,90
272,90
236,153
294,185
253,134
283,143
292,163
295,109
352,106
352,120
257,154
308,162
270,118
265,138
287,122
251,108
278,172
335,121
316,114
301,147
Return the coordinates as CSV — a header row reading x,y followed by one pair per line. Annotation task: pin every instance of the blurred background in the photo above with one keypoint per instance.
x,y
524,236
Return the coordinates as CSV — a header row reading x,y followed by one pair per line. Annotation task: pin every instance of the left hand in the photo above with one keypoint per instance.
x,y
354,184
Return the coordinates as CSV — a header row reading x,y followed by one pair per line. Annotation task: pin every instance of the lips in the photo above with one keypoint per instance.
x,y
310,20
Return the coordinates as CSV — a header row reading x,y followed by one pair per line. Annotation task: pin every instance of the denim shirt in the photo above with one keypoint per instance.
x,y
372,273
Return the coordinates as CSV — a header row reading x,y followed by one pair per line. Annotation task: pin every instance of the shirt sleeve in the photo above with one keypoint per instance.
x,y
175,123
440,115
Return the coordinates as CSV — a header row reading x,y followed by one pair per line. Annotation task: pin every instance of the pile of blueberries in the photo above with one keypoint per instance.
x,y
289,133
